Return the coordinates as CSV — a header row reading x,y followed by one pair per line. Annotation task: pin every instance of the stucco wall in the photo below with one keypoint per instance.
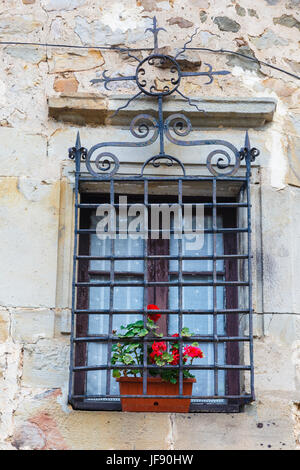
x,y
36,213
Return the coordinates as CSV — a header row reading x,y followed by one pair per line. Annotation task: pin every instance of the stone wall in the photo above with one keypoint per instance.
x,y
36,190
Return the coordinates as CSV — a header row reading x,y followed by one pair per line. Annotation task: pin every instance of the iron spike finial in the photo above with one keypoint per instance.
x,y
78,149
155,30
247,141
247,152
73,150
78,141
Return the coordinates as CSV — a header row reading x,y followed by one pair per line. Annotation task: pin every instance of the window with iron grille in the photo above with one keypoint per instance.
x,y
207,289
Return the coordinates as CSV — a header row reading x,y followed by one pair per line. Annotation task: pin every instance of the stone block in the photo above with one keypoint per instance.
x,y
181,22
277,239
65,246
88,108
269,39
31,54
19,24
77,61
61,5
25,154
113,429
227,24
288,21
65,322
4,325
274,365
234,431
66,85
28,326
46,364
29,230
293,128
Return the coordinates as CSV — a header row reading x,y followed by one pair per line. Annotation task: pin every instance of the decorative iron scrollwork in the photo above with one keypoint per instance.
x,y
223,162
74,150
146,75
253,152
182,126
159,75
106,164
140,127
103,162
167,160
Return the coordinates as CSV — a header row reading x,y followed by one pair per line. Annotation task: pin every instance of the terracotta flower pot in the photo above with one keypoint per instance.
x,y
134,386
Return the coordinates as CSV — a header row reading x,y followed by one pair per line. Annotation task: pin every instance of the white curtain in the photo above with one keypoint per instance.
x,y
131,298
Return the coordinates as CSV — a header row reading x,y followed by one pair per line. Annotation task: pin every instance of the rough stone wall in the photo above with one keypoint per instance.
x,y
36,213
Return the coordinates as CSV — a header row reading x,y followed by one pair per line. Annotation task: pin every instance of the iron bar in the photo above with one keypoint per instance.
x,y
180,298
248,162
145,300
152,366
187,232
248,398
190,339
164,312
162,283
169,257
215,318
76,154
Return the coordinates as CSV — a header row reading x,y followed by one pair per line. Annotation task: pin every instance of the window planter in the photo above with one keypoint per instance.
x,y
155,386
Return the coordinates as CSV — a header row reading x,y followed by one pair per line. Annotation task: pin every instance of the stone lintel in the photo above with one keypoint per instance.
x,y
91,109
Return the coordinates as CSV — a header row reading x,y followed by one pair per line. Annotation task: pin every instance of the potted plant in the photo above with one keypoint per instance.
x,y
160,381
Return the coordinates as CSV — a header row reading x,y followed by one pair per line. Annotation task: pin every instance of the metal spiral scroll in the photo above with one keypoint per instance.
x,y
181,126
106,164
153,61
157,160
140,127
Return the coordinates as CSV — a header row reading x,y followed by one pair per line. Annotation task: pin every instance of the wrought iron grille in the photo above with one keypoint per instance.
x,y
230,269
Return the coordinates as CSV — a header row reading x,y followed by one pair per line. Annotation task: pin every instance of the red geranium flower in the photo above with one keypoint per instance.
x,y
193,351
153,316
158,348
175,354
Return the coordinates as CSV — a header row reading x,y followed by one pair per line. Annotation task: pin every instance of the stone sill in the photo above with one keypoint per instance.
x,y
91,109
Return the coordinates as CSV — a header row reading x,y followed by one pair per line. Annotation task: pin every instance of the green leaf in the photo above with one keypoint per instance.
x,y
152,325
159,335
116,373
132,347
143,332
137,324
185,332
167,357
128,359
159,362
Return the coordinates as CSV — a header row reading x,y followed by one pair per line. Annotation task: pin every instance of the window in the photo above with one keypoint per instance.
x,y
207,290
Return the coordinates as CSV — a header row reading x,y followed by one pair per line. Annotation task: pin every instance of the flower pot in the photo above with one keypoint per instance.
x,y
155,386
